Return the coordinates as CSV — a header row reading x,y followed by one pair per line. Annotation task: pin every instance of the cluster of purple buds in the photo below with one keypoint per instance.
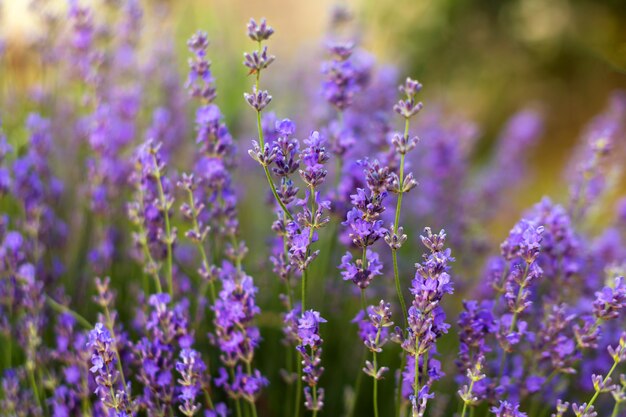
x,y
109,387
403,143
236,336
520,249
426,317
310,348
507,409
374,327
190,368
314,208
258,61
608,304
591,172
200,81
166,329
476,322
365,227
470,394
151,210
341,82
211,182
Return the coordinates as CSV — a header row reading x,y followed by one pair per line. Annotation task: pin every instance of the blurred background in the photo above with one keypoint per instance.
x,y
483,58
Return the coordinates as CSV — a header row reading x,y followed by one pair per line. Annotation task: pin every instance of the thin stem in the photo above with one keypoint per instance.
x,y
109,325
33,385
262,143
303,289
63,309
198,242
252,403
396,275
236,400
399,388
144,245
168,230
598,388
357,385
616,407
207,398
520,291
416,379
315,401
375,363
298,390
469,394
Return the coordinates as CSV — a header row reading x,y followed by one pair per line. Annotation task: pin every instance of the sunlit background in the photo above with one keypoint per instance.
x,y
482,59
485,59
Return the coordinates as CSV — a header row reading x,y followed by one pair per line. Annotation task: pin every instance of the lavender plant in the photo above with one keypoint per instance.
x,y
198,325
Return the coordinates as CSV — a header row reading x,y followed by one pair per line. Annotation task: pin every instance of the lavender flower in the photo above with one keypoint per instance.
x,y
190,367
426,317
507,409
236,336
110,391
309,337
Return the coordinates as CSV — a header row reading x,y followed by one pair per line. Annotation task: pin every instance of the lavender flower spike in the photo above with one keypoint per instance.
x,y
108,389
309,337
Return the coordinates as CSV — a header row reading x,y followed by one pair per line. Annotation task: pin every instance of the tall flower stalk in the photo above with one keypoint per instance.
x,y
400,184
259,99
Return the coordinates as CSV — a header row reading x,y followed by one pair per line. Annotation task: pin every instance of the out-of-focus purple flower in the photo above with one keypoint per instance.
x,y
341,83
507,409
200,81
190,366
593,161
476,323
259,32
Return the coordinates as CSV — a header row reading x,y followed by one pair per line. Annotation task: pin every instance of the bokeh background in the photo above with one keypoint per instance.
x,y
483,59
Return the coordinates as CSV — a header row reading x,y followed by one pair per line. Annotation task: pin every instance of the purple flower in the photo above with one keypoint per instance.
x,y
190,367
355,272
259,32
309,337
426,316
507,409
111,393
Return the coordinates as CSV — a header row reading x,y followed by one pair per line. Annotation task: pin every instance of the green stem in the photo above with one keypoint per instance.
x,y
33,385
616,407
168,230
252,403
357,384
303,289
199,245
109,325
262,143
604,381
396,275
144,246
298,390
469,394
375,363
236,400
514,320
63,309
399,388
